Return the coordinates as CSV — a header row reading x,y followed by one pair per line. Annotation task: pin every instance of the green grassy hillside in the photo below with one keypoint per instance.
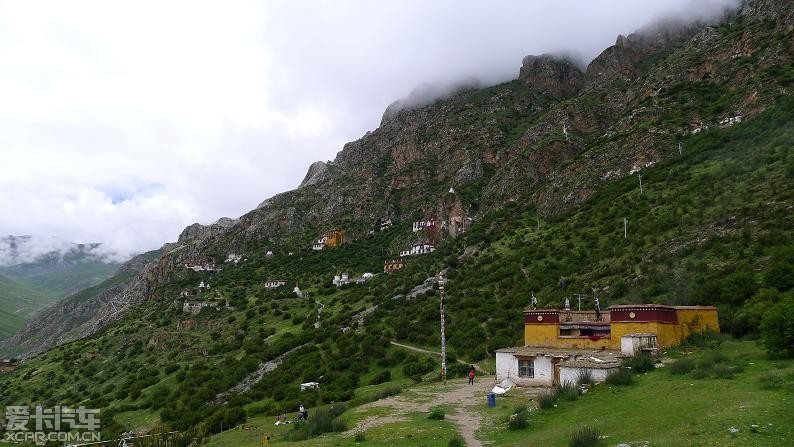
x,y
30,287
64,281
695,410
17,303
711,226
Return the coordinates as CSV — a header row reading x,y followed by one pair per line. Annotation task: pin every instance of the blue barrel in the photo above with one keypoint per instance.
x,y
491,399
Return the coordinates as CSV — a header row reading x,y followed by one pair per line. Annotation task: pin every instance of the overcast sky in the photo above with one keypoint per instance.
x,y
123,122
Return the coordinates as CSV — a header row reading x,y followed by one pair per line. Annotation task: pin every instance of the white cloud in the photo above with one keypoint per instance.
x,y
124,122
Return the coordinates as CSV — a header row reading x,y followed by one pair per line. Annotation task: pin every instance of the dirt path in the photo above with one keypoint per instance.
x,y
457,394
425,351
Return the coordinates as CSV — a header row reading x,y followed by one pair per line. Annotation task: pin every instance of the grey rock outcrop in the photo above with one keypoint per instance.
x,y
552,75
316,174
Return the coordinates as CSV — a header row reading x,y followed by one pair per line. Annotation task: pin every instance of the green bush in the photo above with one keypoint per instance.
x,y
457,441
771,382
723,371
585,377
777,328
707,340
547,399
381,377
360,437
436,414
682,366
518,421
567,391
640,364
587,437
324,420
709,360
620,376
701,373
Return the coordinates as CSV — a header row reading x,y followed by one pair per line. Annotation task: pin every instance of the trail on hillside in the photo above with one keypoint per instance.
x,y
462,398
457,395
425,351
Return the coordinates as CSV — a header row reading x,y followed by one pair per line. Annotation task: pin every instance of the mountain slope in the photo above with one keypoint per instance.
x,y
29,284
78,314
546,165
17,303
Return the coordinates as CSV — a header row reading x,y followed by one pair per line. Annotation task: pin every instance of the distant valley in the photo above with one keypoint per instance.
x,y
30,281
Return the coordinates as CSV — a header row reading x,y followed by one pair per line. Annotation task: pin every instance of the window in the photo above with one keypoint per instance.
x,y
526,368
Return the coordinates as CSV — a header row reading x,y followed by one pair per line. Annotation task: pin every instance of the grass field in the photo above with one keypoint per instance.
x,y
673,410
660,408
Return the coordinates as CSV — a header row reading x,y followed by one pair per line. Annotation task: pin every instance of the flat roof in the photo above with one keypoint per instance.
x,y
666,306
558,352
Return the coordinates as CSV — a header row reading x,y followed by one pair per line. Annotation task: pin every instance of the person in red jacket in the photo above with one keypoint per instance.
x,y
471,375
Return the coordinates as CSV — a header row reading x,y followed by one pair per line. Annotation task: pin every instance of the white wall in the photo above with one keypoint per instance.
x,y
571,374
630,344
507,368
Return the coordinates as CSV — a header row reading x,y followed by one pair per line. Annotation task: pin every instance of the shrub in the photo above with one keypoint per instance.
x,y
436,414
777,328
621,376
770,382
360,437
701,373
381,377
377,395
708,340
518,421
640,364
547,400
457,441
586,437
709,360
723,371
567,391
682,366
324,420
585,377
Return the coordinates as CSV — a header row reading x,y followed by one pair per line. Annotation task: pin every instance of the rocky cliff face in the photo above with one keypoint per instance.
x,y
315,175
555,76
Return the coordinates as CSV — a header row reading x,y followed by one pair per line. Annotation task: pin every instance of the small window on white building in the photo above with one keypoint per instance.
x,y
526,368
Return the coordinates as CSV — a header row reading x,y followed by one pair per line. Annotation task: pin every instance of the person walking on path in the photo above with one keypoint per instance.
x,y
471,375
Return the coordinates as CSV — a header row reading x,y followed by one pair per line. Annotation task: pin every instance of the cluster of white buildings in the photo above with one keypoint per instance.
x,y
234,258
274,283
341,280
202,266
418,248
194,307
430,223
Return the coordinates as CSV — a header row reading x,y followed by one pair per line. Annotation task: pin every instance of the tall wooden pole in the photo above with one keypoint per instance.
x,y
441,282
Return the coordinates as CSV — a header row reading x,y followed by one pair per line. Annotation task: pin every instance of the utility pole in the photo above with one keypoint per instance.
x,y
579,297
441,282
625,228
639,176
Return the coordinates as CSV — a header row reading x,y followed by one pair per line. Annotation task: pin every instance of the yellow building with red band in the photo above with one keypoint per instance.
x,y
554,328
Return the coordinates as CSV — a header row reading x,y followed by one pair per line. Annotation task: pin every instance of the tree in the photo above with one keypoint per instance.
x,y
777,328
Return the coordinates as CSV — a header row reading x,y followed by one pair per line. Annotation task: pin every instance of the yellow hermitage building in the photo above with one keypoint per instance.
x,y
560,345
589,330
